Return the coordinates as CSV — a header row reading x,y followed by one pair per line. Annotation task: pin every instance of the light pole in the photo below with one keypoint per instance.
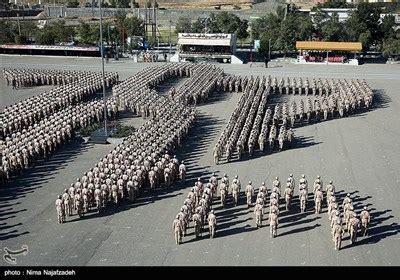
x,y
269,49
19,26
102,70
170,43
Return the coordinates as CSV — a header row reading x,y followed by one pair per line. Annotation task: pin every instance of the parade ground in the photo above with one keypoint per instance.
x,y
360,153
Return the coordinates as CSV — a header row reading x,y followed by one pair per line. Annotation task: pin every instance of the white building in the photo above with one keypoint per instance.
x,y
199,46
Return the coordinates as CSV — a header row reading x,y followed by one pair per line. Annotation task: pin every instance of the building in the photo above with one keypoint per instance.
x,y
200,46
316,52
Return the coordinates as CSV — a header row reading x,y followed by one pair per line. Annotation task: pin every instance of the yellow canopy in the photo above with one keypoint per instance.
x,y
328,46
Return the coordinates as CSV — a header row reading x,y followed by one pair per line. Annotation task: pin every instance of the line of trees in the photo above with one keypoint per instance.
x,y
363,25
115,31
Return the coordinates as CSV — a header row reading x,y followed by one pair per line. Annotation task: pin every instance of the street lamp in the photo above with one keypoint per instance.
x,y
102,70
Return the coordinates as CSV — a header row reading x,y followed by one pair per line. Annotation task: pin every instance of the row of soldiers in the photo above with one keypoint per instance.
x,y
23,149
112,181
27,112
195,91
345,220
253,123
13,154
350,220
197,208
37,77
162,132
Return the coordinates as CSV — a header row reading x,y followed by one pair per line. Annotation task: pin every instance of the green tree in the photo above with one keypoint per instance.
x,y
199,25
386,27
21,39
113,3
72,4
62,32
45,37
123,3
365,38
184,25
241,31
28,29
8,32
88,34
332,29
391,46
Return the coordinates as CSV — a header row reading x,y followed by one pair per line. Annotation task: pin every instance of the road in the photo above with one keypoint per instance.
x,y
359,153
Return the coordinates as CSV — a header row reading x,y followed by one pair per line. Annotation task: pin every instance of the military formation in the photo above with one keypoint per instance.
x,y
253,124
37,127
273,198
142,161
18,78
197,208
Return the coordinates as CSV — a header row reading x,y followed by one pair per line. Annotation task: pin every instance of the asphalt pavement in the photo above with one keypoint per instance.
x,y
359,153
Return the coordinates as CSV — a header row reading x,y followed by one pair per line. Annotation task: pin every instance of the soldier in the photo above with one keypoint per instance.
x,y
258,211
235,190
223,192
354,225
317,182
303,199
67,203
365,220
60,210
236,181
177,228
225,179
182,171
273,223
98,197
276,183
249,194
78,203
291,181
197,221
337,232
288,193
346,200
318,197
303,183
263,189
212,223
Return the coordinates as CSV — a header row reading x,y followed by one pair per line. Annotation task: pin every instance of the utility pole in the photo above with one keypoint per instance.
x,y
269,49
102,71
170,43
19,26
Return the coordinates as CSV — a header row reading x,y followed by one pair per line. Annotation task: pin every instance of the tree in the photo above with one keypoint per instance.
x,y
305,28
73,4
123,3
332,29
61,32
391,46
88,34
241,31
184,25
199,25
386,27
21,39
113,3
28,30
8,32
45,37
